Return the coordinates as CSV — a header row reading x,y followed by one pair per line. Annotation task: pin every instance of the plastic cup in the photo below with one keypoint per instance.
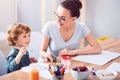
x,y
65,60
34,74
59,78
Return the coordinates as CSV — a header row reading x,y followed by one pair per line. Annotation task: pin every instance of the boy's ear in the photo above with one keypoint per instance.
x,y
14,41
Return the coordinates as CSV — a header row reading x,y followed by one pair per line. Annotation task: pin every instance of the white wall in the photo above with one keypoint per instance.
x,y
8,13
36,12
34,46
29,13
103,17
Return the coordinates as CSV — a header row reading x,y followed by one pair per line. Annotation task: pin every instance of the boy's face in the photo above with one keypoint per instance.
x,y
23,40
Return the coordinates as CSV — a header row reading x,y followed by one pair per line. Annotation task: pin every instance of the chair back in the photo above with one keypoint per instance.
x,y
3,62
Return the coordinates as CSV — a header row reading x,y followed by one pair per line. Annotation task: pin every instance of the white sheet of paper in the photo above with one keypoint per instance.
x,y
98,59
43,69
114,67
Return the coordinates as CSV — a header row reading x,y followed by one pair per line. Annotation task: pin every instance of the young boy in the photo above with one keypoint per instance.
x,y
19,38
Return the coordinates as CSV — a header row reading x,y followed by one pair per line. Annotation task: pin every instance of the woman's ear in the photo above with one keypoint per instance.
x,y
74,18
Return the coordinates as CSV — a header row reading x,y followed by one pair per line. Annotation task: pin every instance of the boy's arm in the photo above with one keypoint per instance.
x,y
11,64
20,54
13,60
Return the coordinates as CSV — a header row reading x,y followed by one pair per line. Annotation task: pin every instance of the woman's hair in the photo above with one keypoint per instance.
x,y
73,6
15,30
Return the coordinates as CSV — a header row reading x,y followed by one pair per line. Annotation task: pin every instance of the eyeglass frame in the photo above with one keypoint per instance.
x,y
61,18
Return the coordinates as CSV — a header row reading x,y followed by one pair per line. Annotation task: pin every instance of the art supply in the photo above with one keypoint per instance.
x,y
93,71
50,70
107,74
65,60
103,58
54,59
57,71
34,74
115,66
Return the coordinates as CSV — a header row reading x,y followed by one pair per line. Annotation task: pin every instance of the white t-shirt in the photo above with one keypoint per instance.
x,y
51,30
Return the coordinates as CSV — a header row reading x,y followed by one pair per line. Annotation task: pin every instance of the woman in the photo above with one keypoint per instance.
x,y
62,37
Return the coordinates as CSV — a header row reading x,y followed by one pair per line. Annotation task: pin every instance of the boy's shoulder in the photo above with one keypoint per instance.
x,y
13,51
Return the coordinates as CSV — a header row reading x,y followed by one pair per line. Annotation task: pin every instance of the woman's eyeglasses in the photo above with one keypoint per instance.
x,y
60,17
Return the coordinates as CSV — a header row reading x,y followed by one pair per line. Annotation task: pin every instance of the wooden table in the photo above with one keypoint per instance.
x,y
110,44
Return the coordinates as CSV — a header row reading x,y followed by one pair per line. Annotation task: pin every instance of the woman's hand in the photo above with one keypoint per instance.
x,y
49,57
33,60
66,52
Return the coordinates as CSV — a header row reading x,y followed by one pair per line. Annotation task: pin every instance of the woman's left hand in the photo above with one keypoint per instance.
x,y
65,52
33,60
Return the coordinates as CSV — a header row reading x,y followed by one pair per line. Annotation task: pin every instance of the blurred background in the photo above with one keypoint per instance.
x,y
101,16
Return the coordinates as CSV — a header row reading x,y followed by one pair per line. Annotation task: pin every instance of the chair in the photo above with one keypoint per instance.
x,y
3,62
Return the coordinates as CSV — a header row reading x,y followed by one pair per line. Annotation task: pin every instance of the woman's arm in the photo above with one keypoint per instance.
x,y
43,49
93,48
44,46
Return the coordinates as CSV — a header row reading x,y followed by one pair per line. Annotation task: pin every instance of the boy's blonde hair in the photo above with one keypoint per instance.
x,y
15,30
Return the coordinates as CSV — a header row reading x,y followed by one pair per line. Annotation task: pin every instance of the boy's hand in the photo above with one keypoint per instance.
x,y
33,60
22,51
